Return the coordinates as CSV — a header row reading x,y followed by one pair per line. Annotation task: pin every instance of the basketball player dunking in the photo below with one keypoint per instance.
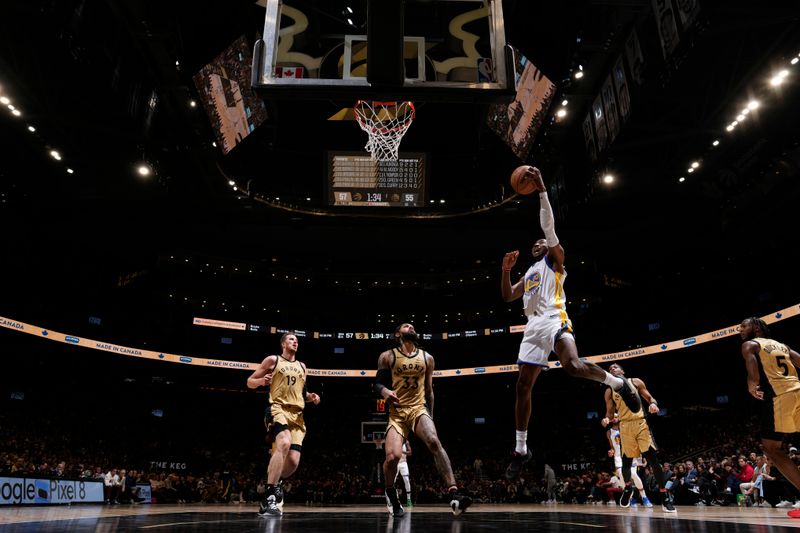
x,y
286,378
636,438
549,328
405,381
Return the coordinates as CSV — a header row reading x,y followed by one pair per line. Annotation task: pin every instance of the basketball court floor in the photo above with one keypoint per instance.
x,y
374,519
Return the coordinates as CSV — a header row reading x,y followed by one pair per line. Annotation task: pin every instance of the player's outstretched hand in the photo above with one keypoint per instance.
x,y
535,175
510,260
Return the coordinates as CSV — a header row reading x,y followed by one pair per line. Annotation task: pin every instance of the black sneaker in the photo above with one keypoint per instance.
x,y
629,396
459,502
625,499
269,508
393,503
279,495
666,503
515,466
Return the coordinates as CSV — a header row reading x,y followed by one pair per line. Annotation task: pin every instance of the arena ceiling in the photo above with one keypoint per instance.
x,y
84,72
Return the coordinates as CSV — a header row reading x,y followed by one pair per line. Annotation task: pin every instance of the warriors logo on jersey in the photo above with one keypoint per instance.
x,y
533,282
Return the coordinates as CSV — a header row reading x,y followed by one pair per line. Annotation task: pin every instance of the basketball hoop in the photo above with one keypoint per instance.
x,y
385,123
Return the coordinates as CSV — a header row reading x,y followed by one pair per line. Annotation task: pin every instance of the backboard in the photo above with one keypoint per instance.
x,y
419,50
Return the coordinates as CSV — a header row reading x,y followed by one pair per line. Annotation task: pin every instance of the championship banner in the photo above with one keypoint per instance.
x,y
702,338
633,52
621,85
600,123
588,137
610,105
667,26
688,11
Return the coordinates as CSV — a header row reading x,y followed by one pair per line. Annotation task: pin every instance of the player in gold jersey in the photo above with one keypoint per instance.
x,y
405,381
286,378
635,436
772,378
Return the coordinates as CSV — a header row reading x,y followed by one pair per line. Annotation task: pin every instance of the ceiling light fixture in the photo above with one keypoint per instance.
x,y
753,104
55,155
143,170
31,129
681,179
4,100
561,113
715,143
608,178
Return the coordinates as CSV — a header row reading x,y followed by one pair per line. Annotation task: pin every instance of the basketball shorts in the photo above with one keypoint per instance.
x,y
404,419
292,418
540,337
781,415
636,437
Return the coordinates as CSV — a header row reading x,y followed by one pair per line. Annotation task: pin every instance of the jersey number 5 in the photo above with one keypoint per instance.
x,y
781,362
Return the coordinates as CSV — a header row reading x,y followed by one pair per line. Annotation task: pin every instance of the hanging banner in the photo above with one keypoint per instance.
x,y
610,105
688,11
600,123
667,26
633,51
588,137
621,85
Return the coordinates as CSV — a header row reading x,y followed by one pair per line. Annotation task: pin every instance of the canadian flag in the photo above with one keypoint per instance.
x,y
288,72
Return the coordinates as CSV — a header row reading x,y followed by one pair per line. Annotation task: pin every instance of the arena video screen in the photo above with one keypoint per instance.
x,y
355,179
224,86
518,122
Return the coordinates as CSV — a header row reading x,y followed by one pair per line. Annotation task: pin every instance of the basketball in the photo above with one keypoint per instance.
x,y
520,183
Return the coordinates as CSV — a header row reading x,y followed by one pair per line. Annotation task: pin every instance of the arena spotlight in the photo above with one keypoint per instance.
x,y
143,170
695,164
715,143
753,104
70,171
681,179
561,113
794,61
16,112
608,179
779,78
55,155
31,129
4,100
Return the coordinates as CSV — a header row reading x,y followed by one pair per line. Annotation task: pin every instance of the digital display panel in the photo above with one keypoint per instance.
x,y
355,179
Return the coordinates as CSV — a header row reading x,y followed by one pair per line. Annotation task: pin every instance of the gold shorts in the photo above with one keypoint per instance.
x,y
636,437
404,419
292,418
786,412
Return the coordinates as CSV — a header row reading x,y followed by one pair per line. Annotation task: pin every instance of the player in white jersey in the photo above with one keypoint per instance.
x,y
402,470
549,328
615,451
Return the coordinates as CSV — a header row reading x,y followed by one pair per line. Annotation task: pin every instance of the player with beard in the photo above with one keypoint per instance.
x,y
405,381
549,328
772,378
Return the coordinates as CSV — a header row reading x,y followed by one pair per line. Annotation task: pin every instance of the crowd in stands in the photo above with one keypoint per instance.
x,y
720,467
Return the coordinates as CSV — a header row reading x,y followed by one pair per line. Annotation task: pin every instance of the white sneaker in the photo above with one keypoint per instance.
x,y
796,504
783,503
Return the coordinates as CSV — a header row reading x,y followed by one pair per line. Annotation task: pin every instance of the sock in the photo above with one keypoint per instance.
x,y
614,382
522,445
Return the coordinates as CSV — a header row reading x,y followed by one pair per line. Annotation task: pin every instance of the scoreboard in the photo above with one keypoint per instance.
x,y
355,179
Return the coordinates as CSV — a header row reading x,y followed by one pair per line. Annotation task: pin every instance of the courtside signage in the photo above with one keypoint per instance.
x,y
26,490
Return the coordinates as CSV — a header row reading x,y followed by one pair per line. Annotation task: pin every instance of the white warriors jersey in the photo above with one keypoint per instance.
x,y
544,291
615,438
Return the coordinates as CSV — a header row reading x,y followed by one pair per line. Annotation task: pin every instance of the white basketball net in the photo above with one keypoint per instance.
x,y
385,123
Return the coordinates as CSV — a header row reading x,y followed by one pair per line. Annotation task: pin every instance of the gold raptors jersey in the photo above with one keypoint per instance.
x,y
288,383
778,374
408,378
623,412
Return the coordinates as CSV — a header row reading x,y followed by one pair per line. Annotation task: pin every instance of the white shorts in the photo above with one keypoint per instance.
x,y
540,337
618,460
402,468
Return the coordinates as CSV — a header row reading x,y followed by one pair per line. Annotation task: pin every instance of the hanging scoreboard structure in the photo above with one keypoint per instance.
x,y
355,179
